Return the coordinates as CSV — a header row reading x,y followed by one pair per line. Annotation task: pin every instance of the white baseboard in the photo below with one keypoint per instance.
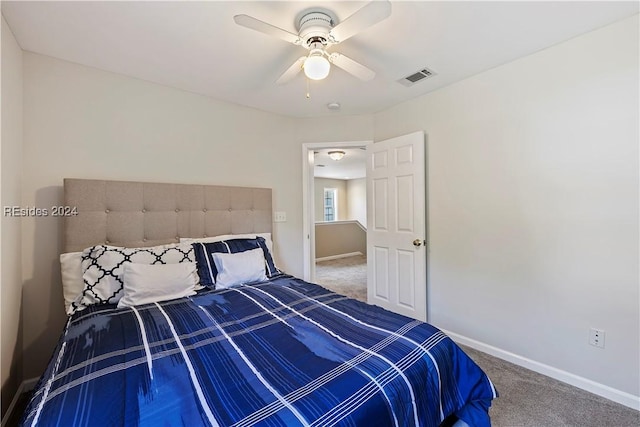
x,y
328,258
618,396
26,385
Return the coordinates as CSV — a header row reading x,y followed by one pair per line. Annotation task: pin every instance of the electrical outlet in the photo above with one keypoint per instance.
x,y
279,217
596,337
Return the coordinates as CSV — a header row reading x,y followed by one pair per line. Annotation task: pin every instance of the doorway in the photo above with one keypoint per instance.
x,y
314,155
397,253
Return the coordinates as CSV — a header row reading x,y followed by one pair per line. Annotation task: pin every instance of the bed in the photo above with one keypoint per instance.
x,y
183,318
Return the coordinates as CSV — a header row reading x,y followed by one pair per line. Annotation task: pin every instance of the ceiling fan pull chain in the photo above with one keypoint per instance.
x,y
308,91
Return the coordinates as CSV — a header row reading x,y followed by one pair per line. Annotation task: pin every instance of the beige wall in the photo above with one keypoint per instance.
x,y
357,200
339,184
533,204
87,123
339,238
352,198
10,228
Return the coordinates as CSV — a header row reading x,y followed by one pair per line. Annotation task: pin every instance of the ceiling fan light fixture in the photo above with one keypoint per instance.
x,y
316,66
319,29
336,155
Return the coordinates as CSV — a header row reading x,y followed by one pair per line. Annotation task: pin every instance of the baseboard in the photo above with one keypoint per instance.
x,y
618,396
25,386
328,258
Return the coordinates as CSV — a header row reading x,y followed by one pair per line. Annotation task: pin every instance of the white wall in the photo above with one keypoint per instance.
x,y
357,200
10,228
334,129
533,204
87,123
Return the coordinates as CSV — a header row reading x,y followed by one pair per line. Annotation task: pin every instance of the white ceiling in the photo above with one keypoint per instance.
x,y
196,46
351,166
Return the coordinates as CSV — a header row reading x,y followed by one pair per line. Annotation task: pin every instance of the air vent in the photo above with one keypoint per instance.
x,y
414,78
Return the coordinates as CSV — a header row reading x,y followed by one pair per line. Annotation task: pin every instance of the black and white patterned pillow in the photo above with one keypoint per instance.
x,y
102,268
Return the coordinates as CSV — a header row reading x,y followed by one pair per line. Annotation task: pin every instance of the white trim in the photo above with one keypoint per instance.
x,y
348,221
308,232
327,258
25,386
618,396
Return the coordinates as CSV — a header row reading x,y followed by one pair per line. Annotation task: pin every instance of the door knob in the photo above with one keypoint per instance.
x,y
417,243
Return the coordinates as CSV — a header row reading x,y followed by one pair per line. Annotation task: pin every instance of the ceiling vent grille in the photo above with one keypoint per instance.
x,y
416,77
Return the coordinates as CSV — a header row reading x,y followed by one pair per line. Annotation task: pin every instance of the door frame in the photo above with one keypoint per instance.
x,y
308,197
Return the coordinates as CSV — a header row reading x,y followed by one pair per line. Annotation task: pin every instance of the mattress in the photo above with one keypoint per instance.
x,y
284,352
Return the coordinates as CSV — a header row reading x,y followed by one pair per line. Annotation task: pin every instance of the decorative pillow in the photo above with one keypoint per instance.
x,y
207,267
71,272
238,268
265,236
144,283
102,268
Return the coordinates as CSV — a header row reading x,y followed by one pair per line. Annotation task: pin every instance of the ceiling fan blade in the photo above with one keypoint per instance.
x,y
351,66
263,27
292,71
368,15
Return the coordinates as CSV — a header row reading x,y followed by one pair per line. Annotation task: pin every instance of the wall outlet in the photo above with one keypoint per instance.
x,y
279,217
596,337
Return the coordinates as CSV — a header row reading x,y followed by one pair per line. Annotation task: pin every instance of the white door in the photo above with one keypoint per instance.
x,y
396,225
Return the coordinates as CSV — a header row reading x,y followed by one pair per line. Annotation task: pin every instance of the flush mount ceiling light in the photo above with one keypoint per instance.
x,y
336,155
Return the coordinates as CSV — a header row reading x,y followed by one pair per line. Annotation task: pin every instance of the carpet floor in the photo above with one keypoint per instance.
x,y
346,276
527,399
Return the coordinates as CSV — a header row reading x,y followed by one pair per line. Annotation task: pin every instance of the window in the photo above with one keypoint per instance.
x,y
330,204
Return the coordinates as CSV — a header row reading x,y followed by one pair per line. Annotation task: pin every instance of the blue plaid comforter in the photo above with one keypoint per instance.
x,y
280,353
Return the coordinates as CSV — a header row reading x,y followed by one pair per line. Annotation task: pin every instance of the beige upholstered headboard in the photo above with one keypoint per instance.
x,y
135,214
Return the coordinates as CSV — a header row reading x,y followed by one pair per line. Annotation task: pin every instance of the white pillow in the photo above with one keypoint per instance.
x,y
71,272
102,269
239,267
145,283
265,236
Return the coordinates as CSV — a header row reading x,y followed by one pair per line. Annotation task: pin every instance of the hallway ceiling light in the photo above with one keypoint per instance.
x,y
336,155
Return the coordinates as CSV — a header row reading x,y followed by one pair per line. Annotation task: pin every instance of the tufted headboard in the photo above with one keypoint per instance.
x,y
135,214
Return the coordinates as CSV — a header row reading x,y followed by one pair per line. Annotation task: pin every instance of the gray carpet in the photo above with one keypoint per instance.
x,y
531,399
346,276
527,399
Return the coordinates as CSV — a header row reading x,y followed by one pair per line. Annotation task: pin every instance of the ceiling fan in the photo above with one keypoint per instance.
x,y
318,30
